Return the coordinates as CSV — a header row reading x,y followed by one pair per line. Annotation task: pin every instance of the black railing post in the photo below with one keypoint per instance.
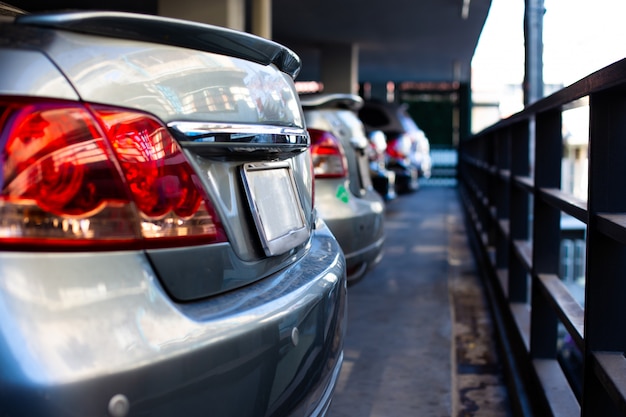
x,y
546,231
490,191
518,225
542,382
484,182
502,198
605,307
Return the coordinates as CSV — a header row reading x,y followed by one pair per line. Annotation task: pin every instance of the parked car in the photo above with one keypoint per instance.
x,y
383,180
344,194
159,249
408,148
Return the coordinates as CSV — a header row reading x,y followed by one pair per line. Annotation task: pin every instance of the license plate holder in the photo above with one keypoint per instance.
x,y
275,206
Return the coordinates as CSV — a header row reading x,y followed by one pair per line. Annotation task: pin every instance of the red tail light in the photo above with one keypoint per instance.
x,y
399,147
329,159
96,178
392,149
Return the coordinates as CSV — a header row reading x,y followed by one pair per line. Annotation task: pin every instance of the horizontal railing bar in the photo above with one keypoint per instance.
x,y
613,225
503,279
610,368
521,316
502,152
504,228
566,203
608,77
475,162
524,250
567,308
526,183
477,192
556,388
493,211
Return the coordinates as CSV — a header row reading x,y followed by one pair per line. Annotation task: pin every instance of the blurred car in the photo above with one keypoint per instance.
x,y
383,179
159,249
344,195
408,148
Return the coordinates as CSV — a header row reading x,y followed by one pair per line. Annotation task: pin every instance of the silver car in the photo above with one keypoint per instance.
x,y
344,195
159,250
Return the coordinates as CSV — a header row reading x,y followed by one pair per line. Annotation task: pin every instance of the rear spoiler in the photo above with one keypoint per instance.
x,y
336,100
8,10
168,31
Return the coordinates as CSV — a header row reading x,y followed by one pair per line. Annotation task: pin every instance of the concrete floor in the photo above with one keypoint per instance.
x,y
419,341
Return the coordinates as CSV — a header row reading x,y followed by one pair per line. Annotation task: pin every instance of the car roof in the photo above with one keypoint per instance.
x,y
391,118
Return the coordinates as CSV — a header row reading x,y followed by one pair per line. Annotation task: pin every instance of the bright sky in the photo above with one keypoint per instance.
x,y
579,37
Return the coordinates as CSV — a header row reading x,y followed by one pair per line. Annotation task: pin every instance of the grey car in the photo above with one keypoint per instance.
x,y
344,195
159,250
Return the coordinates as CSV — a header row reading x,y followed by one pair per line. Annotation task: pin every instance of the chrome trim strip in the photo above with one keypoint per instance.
x,y
190,128
194,132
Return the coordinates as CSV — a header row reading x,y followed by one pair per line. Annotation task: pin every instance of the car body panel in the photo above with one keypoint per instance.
x,y
95,326
221,329
356,222
170,82
31,72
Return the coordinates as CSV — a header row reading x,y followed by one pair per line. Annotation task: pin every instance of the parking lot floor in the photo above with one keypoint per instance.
x,y
420,339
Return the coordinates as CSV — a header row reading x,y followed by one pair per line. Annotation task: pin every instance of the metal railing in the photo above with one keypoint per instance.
x,y
510,184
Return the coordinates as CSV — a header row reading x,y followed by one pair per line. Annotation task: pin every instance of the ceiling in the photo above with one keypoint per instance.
x,y
398,40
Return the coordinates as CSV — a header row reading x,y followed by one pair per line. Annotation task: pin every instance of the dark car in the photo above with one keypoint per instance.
x,y
344,195
408,148
160,253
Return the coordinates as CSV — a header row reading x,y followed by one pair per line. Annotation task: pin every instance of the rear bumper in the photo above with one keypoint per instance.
x,y
406,177
384,182
80,333
360,262
356,222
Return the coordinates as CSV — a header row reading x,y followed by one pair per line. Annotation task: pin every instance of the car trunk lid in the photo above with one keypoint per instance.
x,y
229,101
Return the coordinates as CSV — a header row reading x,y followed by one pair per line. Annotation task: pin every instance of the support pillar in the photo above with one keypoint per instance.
x,y
262,18
340,68
533,37
375,91
226,13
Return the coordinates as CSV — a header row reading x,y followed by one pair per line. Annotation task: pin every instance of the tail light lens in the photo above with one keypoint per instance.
x,y
96,178
399,147
329,159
